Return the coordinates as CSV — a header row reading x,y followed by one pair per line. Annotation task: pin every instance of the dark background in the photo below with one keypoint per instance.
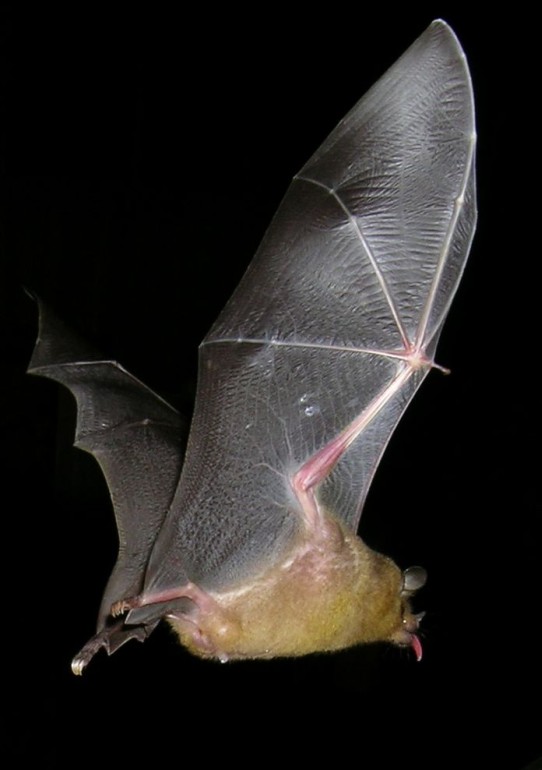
x,y
143,155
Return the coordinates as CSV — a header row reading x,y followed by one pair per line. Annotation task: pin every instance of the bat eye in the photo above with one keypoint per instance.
x,y
414,578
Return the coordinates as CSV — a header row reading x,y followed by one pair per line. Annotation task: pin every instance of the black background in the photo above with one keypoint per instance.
x,y
143,155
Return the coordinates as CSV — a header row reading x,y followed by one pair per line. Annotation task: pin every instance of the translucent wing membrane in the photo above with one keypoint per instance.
x,y
136,437
307,370
349,288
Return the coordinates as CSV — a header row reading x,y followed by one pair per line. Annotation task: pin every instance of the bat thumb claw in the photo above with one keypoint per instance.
x,y
122,607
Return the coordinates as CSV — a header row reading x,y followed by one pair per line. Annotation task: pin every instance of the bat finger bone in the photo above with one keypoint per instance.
x,y
417,359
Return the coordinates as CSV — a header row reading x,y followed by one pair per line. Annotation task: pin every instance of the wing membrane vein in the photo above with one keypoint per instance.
x,y
395,354
443,256
368,251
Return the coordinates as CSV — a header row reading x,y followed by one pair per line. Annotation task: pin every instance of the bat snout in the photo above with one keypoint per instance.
x,y
408,634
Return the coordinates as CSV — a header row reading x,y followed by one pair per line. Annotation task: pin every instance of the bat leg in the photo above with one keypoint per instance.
x,y
197,596
203,625
142,613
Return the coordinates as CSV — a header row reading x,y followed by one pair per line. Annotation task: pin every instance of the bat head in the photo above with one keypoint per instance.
x,y
414,578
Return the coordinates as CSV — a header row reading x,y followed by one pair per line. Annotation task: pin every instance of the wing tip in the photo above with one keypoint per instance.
x,y
440,30
442,33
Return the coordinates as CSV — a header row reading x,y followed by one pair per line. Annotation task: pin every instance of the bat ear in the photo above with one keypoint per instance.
x,y
414,578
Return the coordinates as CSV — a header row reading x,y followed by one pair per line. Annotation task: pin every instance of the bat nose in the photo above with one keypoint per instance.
x,y
411,623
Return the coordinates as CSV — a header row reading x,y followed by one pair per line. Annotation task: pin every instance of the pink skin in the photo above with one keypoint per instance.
x,y
189,591
315,470
304,483
417,647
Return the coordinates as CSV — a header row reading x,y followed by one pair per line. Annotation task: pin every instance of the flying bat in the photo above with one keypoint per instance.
x,y
246,543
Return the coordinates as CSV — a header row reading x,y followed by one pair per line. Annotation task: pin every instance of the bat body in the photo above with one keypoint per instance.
x,y
248,547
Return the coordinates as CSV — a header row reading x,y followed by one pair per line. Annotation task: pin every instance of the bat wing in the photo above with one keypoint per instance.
x,y
302,381
137,439
334,326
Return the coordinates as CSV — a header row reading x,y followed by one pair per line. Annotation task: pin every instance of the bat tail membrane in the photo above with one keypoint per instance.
x,y
137,438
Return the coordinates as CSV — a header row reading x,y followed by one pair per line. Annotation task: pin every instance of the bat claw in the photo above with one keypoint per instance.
x,y
122,607
79,663
85,655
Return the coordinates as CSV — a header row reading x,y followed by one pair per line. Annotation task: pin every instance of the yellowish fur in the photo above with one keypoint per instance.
x,y
330,591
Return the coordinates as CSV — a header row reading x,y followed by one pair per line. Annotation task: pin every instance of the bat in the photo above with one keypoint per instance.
x,y
246,543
